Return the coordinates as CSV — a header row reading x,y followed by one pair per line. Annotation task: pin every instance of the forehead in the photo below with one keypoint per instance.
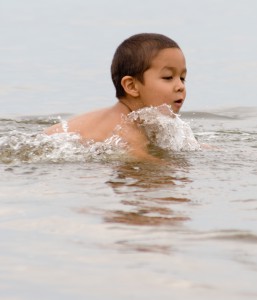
x,y
169,58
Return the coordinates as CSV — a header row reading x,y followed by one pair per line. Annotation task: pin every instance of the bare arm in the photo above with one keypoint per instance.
x,y
137,142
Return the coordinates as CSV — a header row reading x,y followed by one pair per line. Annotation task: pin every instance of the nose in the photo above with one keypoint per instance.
x,y
180,85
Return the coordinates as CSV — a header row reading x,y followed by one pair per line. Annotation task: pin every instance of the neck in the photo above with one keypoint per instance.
x,y
122,101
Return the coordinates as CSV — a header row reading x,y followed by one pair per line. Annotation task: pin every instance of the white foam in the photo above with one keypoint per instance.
x,y
163,129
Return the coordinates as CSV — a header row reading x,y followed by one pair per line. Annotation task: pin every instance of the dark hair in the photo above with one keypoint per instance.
x,y
134,56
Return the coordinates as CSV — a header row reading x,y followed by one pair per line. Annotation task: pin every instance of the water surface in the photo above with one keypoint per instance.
x,y
117,229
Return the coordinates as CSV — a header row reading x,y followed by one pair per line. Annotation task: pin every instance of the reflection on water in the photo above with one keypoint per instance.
x,y
140,218
148,192
126,245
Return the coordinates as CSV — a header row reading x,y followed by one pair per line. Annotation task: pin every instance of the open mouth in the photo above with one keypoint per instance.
x,y
178,101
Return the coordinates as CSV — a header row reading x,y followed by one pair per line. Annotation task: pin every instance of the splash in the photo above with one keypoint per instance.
x,y
163,129
56,148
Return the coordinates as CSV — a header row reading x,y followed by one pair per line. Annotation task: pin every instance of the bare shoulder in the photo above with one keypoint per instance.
x,y
97,125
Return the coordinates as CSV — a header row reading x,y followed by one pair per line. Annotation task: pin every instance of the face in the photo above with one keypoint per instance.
x,y
164,81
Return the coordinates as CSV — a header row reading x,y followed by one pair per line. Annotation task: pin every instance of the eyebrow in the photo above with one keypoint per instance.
x,y
173,69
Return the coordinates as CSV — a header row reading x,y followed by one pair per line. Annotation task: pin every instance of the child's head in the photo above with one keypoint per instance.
x,y
134,56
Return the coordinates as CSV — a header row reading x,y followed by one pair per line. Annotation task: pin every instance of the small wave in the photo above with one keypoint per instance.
x,y
232,113
163,128
240,112
205,115
228,136
230,235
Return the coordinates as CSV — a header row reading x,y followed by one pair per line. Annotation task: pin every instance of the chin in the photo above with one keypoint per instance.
x,y
176,111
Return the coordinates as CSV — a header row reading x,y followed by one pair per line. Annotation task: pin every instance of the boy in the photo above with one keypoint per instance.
x,y
148,69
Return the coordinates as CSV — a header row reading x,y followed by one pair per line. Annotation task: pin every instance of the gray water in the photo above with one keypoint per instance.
x,y
55,55
88,223
74,226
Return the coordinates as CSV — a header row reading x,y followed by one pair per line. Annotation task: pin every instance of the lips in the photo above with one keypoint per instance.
x,y
177,104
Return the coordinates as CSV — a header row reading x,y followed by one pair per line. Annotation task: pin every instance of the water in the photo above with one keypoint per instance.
x,y
56,55
85,221
85,226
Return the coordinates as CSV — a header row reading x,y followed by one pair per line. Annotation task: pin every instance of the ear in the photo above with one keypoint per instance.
x,y
129,85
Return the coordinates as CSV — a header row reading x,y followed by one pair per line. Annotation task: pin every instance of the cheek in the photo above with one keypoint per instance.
x,y
153,92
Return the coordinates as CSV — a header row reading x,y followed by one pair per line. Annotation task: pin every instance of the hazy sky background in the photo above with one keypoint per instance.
x,y
55,55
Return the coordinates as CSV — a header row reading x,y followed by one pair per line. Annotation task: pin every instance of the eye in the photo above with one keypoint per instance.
x,y
167,77
183,79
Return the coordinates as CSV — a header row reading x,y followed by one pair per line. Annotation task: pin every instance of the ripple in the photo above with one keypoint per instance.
x,y
229,235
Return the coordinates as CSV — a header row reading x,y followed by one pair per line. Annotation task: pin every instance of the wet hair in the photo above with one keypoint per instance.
x,y
134,56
